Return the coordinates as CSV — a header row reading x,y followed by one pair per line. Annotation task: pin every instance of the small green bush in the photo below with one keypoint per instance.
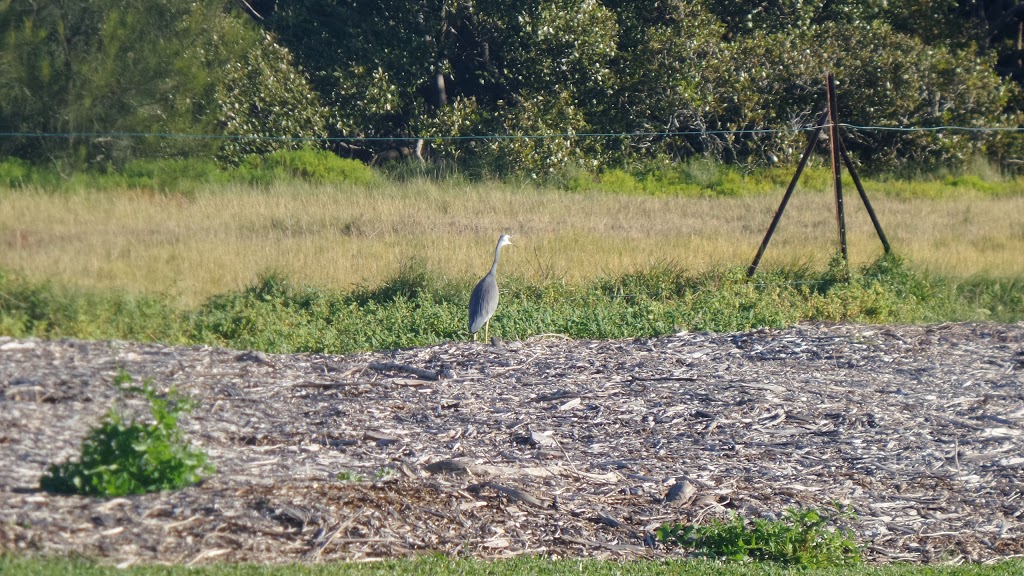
x,y
120,457
804,537
308,164
181,174
612,181
46,310
348,476
14,172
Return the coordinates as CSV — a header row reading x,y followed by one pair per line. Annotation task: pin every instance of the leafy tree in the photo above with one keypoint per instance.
x,y
999,27
367,58
549,71
388,69
266,104
665,51
732,90
113,66
676,78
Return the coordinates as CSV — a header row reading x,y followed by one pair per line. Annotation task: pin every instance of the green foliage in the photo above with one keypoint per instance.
x,y
510,70
734,80
267,104
183,175
121,457
915,85
43,309
770,77
14,172
412,281
515,151
804,537
188,176
998,300
416,309
350,476
275,315
694,177
95,67
641,69
308,164
613,181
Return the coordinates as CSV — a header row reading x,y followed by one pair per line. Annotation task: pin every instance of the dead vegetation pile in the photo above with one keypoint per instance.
x,y
548,446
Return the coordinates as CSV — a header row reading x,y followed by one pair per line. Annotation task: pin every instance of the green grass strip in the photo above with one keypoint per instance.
x,y
438,565
416,309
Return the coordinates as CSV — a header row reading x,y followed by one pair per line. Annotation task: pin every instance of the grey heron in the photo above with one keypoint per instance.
x,y
484,299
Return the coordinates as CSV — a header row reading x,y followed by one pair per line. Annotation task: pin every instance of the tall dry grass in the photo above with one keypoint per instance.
x,y
221,239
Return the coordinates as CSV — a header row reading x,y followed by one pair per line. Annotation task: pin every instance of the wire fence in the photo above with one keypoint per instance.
x,y
578,135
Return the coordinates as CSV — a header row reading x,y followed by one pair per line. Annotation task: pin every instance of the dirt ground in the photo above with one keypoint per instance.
x,y
548,446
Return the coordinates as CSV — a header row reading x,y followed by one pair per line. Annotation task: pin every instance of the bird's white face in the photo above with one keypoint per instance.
x,y
505,240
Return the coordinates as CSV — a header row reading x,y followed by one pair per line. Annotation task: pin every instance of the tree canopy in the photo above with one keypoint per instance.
x,y
530,87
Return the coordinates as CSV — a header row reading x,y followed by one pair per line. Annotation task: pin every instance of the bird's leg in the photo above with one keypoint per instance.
x,y
487,326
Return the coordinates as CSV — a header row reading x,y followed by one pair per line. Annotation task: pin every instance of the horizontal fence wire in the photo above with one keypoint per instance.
x,y
434,138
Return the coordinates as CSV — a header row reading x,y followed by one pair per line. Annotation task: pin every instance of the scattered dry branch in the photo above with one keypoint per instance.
x,y
549,446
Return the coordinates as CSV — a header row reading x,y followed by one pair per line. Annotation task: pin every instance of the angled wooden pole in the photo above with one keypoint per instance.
x,y
864,196
789,191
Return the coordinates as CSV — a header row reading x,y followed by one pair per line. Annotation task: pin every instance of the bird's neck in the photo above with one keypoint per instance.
x,y
497,254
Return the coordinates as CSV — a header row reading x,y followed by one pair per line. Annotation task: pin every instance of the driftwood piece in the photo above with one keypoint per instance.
x,y
548,446
406,368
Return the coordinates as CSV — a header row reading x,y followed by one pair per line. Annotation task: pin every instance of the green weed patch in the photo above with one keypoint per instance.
x,y
122,457
416,308
803,537
46,310
305,164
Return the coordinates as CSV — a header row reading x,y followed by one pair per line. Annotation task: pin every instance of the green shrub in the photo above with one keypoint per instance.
x,y
275,315
14,172
350,476
995,299
266,103
120,457
179,174
417,308
614,181
308,164
804,537
45,310
190,175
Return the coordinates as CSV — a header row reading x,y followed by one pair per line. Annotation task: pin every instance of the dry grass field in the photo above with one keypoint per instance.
x,y
221,239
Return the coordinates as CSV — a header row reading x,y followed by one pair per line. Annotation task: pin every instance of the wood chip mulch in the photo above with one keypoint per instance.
x,y
548,446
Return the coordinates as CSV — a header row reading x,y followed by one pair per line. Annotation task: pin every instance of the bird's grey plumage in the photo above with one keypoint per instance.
x,y
484,300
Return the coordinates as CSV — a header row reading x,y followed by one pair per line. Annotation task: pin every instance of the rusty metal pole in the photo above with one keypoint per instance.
x,y
789,191
836,163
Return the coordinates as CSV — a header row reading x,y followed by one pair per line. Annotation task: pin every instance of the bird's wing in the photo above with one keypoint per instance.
x,y
478,313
